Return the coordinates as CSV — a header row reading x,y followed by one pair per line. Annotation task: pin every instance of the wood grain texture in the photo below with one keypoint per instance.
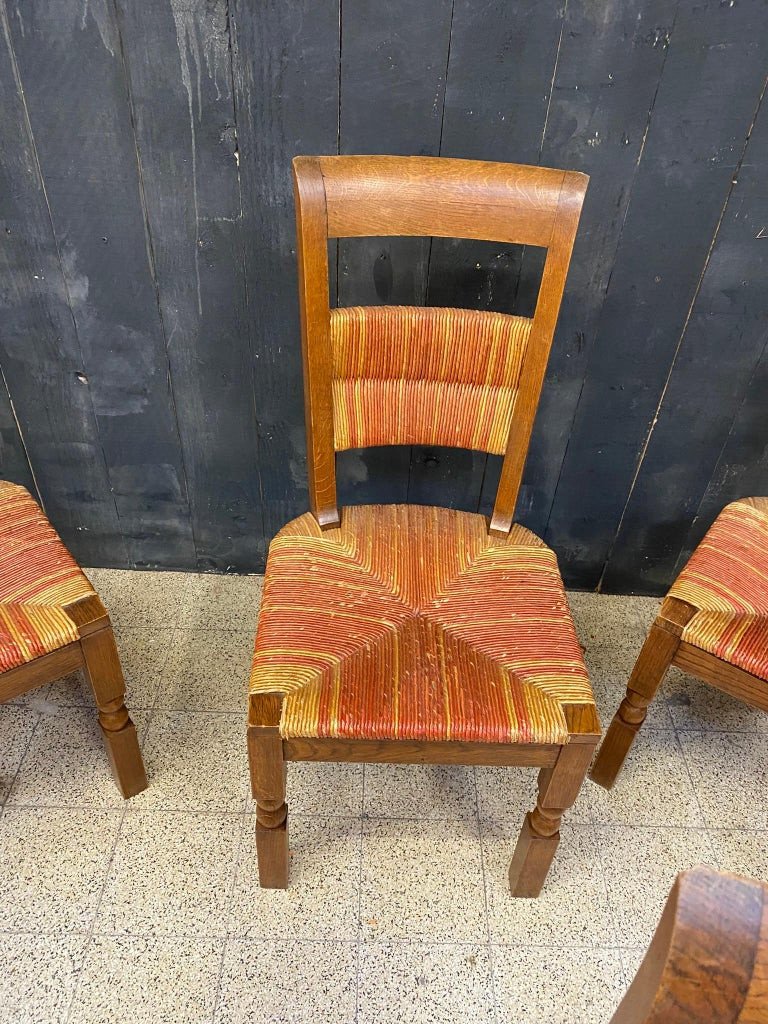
x,y
174,434
72,62
495,109
707,959
391,101
694,143
278,49
406,752
726,330
42,670
38,573
711,624
384,195
14,459
559,785
602,94
178,66
312,258
101,664
388,663
268,778
559,250
655,657
729,678
41,354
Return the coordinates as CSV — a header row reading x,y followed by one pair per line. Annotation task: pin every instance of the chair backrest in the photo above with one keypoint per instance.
x,y
708,960
418,375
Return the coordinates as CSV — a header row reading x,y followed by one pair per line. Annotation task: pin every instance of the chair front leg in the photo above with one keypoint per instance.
x,y
559,786
105,674
268,777
650,668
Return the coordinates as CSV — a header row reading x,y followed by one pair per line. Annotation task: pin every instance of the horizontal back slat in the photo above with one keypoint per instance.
x,y
387,195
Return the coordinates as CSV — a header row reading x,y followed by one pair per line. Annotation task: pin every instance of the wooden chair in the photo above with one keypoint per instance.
x,y
713,624
399,633
708,960
52,622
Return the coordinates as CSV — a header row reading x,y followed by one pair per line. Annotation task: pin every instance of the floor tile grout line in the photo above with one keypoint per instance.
x,y
307,941
704,818
358,943
164,625
92,930
141,809
161,677
358,964
604,877
483,876
158,688
235,811
694,789
241,844
22,759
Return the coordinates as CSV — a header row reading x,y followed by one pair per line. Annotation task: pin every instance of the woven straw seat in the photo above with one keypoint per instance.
x,y
38,578
713,624
409,622
399,633
726,580
52,622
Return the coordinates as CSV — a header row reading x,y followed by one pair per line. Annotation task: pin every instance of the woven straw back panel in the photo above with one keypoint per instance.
x,y
727,580
425,375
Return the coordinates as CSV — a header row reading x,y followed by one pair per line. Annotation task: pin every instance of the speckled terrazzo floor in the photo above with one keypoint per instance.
x,y
150,911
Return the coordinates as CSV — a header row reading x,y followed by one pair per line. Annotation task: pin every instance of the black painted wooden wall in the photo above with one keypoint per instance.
x,y
151,391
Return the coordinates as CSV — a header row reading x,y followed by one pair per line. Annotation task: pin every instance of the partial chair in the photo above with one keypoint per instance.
x,y
713,624
409,634
708,960
52,622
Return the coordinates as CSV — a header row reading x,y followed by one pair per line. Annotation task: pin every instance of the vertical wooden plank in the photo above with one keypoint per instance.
x,y
392,85
71,67
286,80
499,78
742,468
704,106
14,461
40,351
608,70
179,70
718,356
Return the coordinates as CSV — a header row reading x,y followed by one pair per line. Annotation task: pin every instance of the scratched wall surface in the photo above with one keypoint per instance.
x,y
151,386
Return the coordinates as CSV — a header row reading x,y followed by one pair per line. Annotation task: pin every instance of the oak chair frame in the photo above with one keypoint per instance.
x,y
663,647
96,653
708,959
347,196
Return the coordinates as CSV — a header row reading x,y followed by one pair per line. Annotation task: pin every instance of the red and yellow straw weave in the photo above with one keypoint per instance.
x,y
38,576
727,580
409,622
413,375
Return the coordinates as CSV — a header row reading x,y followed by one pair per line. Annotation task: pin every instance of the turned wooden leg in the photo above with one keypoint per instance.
x,y
265,757
559,786
649,671
105,674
